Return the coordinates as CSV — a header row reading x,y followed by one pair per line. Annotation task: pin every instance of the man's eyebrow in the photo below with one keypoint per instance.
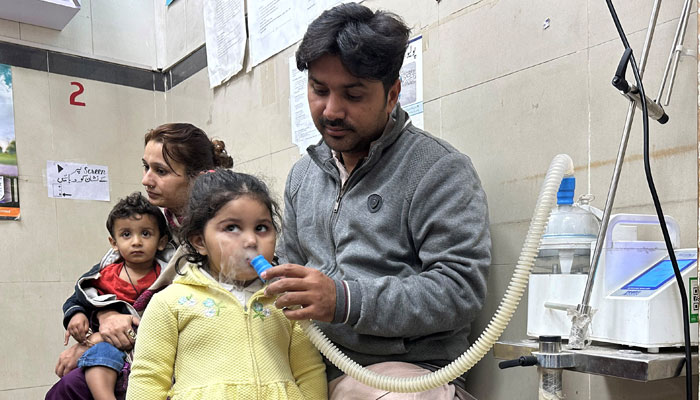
x,y
348,86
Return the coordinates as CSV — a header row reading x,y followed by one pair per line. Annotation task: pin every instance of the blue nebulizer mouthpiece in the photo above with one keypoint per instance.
x,y
260,264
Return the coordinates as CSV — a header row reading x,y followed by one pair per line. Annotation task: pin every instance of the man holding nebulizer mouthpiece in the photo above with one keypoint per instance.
x,y
385,241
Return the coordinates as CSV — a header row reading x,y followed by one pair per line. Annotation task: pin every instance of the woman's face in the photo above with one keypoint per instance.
x,y
166,187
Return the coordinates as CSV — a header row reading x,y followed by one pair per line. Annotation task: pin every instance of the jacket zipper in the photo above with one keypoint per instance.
x,y
248,328
337,201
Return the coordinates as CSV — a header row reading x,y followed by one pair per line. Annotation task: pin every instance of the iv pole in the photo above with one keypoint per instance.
x,y
582,316
581,323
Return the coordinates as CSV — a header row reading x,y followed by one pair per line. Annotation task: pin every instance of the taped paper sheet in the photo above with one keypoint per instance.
x,y
66,180
304,132
224,30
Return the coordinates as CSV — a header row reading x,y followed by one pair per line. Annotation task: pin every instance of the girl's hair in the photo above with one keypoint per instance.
x,y
190,146
210,192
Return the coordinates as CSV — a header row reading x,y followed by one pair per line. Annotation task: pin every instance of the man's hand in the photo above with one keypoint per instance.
x,y
68,359
77,327
116,328
305,287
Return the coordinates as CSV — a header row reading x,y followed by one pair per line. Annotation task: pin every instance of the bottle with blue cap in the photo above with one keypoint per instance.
x,y
571,229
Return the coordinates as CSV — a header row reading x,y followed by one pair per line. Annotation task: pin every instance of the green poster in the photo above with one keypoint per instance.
x,y
9,177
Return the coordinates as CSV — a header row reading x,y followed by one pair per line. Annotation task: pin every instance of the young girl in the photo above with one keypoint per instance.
x,y
213,332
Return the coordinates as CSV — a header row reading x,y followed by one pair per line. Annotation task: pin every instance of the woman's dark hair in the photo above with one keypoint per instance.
x,y
132,205
210,192
190,146
371,45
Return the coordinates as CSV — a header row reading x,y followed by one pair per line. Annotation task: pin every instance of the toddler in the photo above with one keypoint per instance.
x,y
137,230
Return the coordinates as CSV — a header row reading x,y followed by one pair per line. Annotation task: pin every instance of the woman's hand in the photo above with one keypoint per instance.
x,y
116,329
77,327
68,359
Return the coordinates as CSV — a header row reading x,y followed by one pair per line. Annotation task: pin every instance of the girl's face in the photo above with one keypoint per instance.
x,y
166,187
238,232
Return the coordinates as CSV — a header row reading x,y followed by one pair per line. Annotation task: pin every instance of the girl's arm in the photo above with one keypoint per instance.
x,y
154,353
307,366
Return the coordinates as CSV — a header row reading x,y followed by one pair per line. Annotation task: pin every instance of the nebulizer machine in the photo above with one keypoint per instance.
x,y
634,300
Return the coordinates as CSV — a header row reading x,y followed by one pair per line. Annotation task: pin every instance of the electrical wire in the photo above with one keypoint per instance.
x,y
657,206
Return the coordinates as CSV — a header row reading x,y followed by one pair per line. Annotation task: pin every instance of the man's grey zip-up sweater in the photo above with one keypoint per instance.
x,y
405,239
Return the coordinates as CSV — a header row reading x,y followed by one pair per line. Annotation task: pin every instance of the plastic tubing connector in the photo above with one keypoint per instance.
x,y
260,264
560,166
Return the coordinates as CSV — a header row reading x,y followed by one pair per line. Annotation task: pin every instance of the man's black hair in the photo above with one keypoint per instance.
x,y
136,204
371,45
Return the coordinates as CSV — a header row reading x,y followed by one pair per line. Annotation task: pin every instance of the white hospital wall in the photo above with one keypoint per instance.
x,y
498,86
121,31
59,239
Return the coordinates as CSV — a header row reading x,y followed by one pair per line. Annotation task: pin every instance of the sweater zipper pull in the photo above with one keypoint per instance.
x,y
337,202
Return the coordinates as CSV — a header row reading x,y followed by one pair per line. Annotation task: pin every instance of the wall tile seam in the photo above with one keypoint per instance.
x,y
638,31
510,222
507,74
586,49
468,9
630,157
263,156
664,203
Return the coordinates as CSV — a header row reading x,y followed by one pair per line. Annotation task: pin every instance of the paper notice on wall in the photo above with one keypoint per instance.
x,y
275,25
411,75
66,180
225,34
304,132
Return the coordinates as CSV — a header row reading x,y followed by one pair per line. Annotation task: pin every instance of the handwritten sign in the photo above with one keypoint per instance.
x,y
74,95
66,180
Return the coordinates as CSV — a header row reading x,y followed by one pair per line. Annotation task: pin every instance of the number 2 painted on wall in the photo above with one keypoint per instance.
x,y
77,93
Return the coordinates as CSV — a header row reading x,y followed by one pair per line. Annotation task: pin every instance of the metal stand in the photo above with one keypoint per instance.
x,y
582,317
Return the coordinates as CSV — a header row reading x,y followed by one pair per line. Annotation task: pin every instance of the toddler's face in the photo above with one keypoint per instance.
x,y
137,238
237,233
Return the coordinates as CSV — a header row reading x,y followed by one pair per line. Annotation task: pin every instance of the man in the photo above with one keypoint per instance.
x,y
385,230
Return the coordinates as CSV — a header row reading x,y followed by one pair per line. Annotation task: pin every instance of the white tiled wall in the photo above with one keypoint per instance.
x,y
59,239
498,86
117,31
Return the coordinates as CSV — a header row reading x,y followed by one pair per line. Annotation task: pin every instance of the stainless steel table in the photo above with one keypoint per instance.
x,y
610,360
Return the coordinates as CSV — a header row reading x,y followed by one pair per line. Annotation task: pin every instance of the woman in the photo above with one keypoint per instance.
x,y
174,155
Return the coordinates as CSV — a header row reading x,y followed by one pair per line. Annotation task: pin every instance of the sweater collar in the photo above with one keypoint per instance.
x,y
191,275
323,157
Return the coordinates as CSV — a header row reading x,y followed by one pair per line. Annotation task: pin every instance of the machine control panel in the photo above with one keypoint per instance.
x,y
646,283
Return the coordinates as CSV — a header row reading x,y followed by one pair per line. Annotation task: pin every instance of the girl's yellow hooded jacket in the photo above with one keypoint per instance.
x,y
198,335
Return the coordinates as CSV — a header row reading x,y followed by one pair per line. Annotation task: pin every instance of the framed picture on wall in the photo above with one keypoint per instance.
x,y
9,176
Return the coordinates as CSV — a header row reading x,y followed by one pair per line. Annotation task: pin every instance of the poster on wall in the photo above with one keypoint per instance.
x,y
9,176
304,132
66,180
411,75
